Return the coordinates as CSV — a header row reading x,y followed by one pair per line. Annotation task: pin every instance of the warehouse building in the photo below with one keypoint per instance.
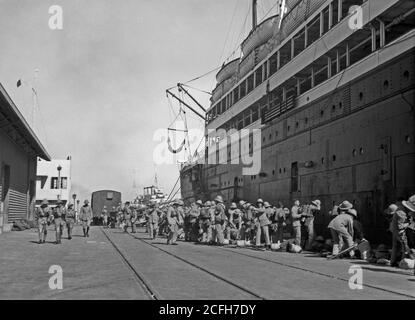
x,y
19,151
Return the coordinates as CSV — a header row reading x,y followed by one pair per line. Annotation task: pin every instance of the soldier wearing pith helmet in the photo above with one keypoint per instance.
x,y
42,215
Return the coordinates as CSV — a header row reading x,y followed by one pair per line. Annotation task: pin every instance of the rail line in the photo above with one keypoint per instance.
x,y
200,268
314,272
137,276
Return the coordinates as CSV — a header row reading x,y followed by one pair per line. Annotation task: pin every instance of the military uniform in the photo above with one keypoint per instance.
x,y
296,223
86,217
153,221
173,221
193,222
104,214
127,218
219,220
263,223
309,214
70,220
341,227
248,222
58,219
43,216
279,220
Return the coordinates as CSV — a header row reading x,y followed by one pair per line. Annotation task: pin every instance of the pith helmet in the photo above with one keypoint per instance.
x,y
241,203
208,204
178,202
260,201
199,202
410,204
86,202
345,205
44,203
266,204
353,212
219,199
233,206
316,202
59,202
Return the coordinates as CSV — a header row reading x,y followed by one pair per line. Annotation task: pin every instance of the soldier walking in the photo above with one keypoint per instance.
x,y
153,220
42,215
58,219
86,217
104,214
127,216
70,220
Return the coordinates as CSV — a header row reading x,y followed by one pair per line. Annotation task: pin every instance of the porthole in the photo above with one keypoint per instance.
x,y
280,171
361,96
322,160
322,113
361,151
284,170
354,152
288,128
276,133
340,105
406,75
273,172
386,84
333,108
408,139
270,136
306,120
297,124
333,157
308,98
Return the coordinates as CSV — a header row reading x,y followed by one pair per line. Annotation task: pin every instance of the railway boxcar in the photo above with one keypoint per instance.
x,y
101,198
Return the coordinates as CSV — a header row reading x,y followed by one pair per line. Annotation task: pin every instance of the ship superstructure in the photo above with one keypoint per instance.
x,y
331,88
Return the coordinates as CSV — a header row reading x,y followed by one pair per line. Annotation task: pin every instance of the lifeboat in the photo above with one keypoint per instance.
x,y
247,64
260,35
227,71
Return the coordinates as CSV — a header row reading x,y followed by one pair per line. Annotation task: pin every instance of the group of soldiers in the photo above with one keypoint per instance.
x,y
61,216
213,223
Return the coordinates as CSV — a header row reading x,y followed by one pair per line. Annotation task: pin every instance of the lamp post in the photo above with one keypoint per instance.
x,y
74,199
59,181
77,210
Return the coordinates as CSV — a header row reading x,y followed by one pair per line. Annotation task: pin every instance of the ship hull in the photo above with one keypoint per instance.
x,y
360,148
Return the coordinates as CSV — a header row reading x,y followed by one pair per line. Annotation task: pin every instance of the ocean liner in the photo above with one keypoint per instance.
x,y
330,84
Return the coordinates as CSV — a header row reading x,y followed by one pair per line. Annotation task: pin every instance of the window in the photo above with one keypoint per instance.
x,y
63,183
294,177
54,183
110,195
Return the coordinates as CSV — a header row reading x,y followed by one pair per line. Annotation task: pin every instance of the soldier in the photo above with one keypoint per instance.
x,y
219,220
309,214
248,222
119,213
173,221
153,221
70,220
104,214
233,223
134,219
193,219
205,222
279,222
262,218
296,221
86,217
42,215
127,216
58,218
341,227
400,223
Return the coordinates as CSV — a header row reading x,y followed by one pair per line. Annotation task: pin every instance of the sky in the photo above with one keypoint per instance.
x,y
101,80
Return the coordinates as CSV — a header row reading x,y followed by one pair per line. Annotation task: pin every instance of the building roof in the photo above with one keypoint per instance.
x,y
13,122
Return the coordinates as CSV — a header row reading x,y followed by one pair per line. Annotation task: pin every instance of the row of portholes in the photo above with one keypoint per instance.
x,y
386,83
334,157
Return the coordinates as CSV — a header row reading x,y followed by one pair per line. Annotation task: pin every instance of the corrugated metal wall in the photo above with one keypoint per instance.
x,y
18,205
